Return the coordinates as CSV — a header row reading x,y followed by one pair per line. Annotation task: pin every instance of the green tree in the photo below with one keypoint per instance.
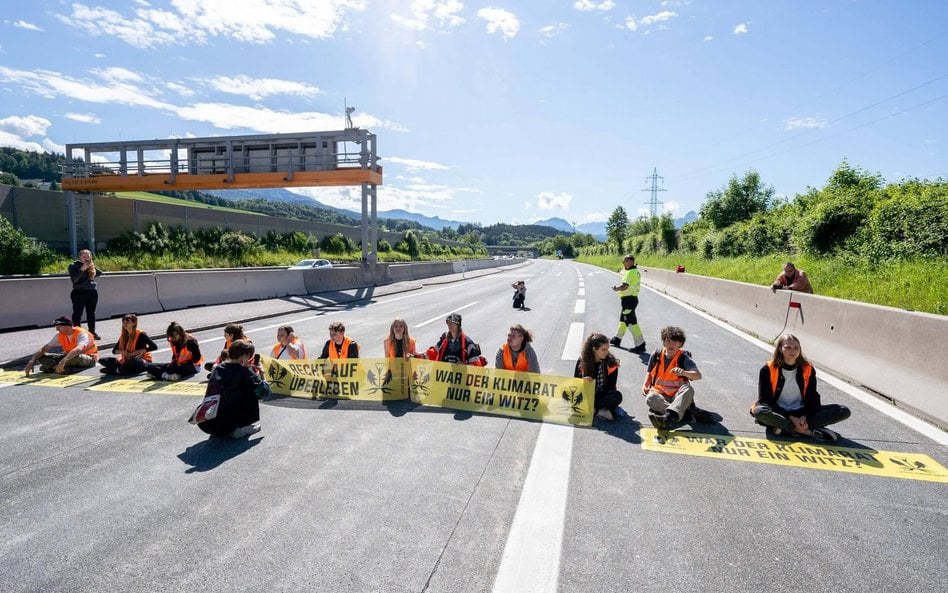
x,y
10,179
739,200
20,254
617,227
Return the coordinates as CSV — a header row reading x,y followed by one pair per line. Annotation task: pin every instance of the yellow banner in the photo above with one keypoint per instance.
x,y
889,464
142,385
561,400
44,379
366,379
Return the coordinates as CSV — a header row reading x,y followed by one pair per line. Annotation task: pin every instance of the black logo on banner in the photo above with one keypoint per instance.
x,y
420,379
573,397
378,381
276,374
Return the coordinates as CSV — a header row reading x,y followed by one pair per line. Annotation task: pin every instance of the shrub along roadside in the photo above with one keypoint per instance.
x,y
914,284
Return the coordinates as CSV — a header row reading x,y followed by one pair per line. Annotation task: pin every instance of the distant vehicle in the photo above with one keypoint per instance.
x,y
311,264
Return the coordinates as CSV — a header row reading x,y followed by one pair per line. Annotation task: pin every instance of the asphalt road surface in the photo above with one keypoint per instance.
x,y
104,491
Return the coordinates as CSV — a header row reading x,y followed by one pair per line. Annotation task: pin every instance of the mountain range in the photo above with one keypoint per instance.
x,y
596,229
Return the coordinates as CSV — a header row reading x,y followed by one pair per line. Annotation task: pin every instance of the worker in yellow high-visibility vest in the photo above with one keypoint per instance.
x,y
629,297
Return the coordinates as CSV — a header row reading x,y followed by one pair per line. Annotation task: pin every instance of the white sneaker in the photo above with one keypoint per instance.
x,y
164,376
172,377
244,431
605,413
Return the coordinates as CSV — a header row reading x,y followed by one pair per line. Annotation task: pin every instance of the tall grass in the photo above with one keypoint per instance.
x,y
913,285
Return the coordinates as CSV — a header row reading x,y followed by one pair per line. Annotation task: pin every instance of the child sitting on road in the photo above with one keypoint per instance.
x,y
667,387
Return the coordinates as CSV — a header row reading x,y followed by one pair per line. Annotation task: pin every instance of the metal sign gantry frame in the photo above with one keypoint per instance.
x,y
307,159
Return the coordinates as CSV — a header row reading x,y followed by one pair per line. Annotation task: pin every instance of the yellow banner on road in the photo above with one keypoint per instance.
x,y
889,464
144,385
44,379
367,379
561,400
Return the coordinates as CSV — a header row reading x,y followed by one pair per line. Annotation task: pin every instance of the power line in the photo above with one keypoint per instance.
x,y
653,202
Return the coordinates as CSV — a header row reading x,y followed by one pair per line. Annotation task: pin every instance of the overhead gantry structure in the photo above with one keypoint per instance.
x,y
310,159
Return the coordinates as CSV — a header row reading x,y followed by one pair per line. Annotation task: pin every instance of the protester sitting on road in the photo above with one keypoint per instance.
x,y
792,279
455,346
516,354
520,294
787,398
398,343
232,332
134,350
339,345
78,350
238,387
186,356
288,346
667,386
597,364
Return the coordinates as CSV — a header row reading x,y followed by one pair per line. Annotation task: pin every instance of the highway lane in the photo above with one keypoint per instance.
x,y
105,491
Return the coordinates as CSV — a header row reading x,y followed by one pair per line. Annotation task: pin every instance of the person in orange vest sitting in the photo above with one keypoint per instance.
x,y
667,387
288,346
134,350
516,354
78,350
339,345
455,346
787,399
398,343
232,333
597,364
186,358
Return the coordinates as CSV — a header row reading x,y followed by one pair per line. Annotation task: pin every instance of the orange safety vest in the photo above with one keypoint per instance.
x,y
521,360
70,341
391,347
342,352
444,347
775,376
660,377
181,355
278,347
133,341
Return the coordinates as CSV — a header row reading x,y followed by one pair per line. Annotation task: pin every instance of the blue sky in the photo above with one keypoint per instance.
x,y
501,110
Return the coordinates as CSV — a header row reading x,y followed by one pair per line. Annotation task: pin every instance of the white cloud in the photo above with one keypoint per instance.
x,y
527,205
31,125
549,201
587,5
672,207
500,20
804,122
26,25
427,14
14,141
633,25
740,29
226,116
708,38
593,217
86,118
194,21
553,30
183,90
413,165
389,197
258,88
657,18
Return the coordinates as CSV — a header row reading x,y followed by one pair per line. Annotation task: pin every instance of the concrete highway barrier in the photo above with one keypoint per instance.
x,y
890,351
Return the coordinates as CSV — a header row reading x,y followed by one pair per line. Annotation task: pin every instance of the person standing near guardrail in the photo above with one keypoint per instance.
x,y
85,293
792,279
629,299
339,345
787,399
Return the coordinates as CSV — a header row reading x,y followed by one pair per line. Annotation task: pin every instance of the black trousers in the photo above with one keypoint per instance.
x,y
84,299
826,415
609,400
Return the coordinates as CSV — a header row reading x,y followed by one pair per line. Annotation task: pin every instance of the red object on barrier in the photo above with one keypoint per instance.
x,y
794,305
679,269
